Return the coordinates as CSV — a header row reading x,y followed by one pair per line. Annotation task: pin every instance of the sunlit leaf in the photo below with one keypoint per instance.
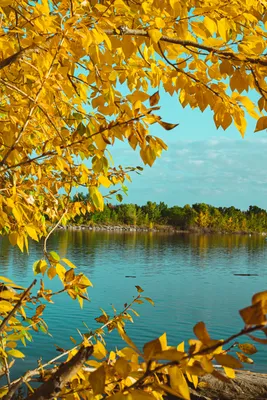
x,y
155,346
15,353
226,360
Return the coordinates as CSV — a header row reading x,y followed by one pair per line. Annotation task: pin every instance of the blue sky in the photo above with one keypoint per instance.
x,y
202,164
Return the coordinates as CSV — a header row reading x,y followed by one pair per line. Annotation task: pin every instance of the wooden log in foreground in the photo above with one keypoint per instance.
x,y
246,386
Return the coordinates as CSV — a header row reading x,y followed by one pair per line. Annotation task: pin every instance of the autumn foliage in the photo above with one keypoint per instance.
x,y
75,77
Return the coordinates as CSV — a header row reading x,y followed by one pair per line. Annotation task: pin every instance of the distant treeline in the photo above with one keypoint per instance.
x,y
199,216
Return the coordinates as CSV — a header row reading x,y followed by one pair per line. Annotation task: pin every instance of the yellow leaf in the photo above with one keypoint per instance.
x,y
126,338
122,367
11,345
247,348
13,237
20,242
60,271
180,347
155,346
170,354
7,295
137,95
97,198
4,279
254,314
228,361
103,180
141,395
258,340
68,262
229,372
3,392
149,300
226,120
167,125
15,353
201,332
32,233
261,124
17,214
244,358
154,99
85,281
5,3
51,273
210,24
222,28
155,35
178,382
100,351
160,23
207,364
69,275
97,380
5,306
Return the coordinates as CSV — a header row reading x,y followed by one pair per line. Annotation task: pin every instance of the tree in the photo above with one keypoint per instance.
x,y
75,77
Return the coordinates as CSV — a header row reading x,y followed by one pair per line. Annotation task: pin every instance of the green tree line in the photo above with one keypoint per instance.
x,y
199,216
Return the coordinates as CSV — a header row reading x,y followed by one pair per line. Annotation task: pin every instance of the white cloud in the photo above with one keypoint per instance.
x,y
219,172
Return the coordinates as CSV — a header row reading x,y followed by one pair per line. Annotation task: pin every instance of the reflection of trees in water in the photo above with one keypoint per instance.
x,y
5,250
87,248
227,246
14,263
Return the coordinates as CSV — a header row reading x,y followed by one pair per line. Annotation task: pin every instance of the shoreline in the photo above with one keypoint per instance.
x,y
157,229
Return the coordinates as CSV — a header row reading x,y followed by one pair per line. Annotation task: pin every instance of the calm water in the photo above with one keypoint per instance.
x,y
190,278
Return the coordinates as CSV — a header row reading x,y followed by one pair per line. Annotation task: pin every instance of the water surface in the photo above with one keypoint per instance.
x,y
190,278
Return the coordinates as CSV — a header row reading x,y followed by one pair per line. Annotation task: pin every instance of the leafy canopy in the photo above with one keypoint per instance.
x,y
75,77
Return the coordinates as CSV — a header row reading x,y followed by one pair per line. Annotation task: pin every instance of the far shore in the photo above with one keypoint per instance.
x,y
156,229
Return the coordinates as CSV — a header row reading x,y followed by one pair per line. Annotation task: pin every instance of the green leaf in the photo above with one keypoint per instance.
x,y
54,255
119,197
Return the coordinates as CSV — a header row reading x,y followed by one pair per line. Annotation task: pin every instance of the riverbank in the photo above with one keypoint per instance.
x,y
156,229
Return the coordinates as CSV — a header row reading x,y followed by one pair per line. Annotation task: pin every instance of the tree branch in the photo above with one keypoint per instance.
x,y
12,312
51,389
125,31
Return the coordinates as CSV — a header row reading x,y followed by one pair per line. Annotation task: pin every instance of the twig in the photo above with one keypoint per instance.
x,y
12,312
52,230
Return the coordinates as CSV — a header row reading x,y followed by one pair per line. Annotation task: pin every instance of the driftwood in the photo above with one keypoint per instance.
x,y
246,386
51,388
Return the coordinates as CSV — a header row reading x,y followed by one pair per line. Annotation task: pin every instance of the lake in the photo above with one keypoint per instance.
x,y
190,277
